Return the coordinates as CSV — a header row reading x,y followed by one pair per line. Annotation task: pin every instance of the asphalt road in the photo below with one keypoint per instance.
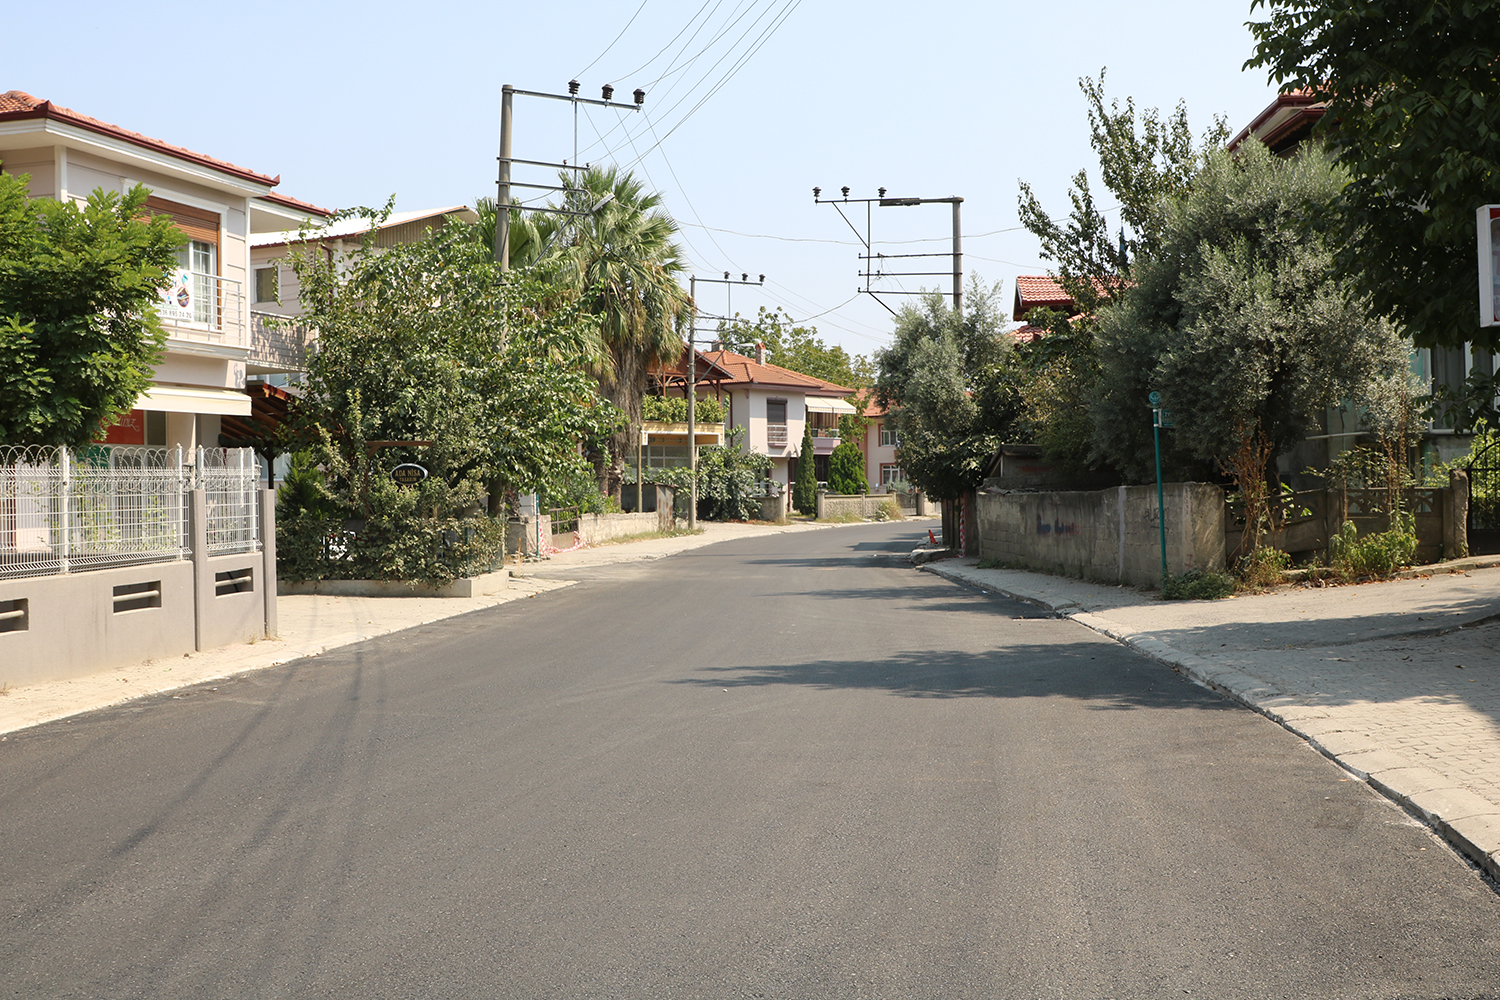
x,y
789,767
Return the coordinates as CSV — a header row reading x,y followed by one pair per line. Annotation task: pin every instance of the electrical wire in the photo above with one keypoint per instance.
x,y
617,38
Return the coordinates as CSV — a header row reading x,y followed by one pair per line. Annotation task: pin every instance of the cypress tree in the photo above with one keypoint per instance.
x,y
805,490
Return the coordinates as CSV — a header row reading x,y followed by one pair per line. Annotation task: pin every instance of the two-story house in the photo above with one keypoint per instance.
x,y
206,308
773,404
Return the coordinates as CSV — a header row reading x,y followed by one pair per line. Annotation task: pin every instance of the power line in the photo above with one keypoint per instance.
x,y
617,38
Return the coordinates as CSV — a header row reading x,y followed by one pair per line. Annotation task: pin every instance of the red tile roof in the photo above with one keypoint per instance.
x,y
746,371
1027,334
1285,122
16,105
1037,291
296,204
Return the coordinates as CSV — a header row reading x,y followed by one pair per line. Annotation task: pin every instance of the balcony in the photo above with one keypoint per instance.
x,y
276,345
776,435
204,309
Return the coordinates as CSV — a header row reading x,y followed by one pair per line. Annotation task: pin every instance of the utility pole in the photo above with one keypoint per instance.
x,y
504,183
870,257
692,382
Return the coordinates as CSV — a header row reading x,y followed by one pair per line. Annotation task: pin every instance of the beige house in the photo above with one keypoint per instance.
x,y
211,341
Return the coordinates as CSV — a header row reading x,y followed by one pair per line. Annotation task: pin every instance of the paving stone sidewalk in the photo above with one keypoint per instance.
x,y
1399,682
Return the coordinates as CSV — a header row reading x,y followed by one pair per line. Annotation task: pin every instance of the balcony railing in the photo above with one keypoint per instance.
x,y
204,308
826,432
276,345
776,435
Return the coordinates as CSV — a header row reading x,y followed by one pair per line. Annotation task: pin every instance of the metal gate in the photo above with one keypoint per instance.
x,y
1484,501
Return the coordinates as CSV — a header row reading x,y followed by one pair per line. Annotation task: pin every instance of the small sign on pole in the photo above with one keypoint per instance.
x,y
408,474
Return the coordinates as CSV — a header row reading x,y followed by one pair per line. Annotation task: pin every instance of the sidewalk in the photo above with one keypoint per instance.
x,y
1399,682
311,624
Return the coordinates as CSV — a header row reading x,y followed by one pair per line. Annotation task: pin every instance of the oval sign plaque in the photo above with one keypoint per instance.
x,y
408,474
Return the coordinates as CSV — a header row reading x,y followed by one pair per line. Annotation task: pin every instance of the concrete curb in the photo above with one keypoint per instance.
x,y
1468,822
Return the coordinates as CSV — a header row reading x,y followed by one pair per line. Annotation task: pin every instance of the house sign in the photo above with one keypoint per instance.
x,y
408,474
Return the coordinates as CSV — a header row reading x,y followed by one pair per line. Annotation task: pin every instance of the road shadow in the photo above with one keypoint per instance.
x,y
1109,677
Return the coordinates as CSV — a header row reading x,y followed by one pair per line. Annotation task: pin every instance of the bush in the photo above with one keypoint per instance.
x,y
1196,585
889,510
846,470
1263,567
674,410
1377,555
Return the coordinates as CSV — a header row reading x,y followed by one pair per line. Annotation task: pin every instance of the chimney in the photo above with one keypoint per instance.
x,y
760,353
716,346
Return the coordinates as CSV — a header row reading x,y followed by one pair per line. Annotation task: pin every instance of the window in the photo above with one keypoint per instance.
x,y
888,437
268,284
192,296
776,423
891,475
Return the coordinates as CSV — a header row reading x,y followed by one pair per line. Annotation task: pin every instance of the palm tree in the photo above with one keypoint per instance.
x,y
621,259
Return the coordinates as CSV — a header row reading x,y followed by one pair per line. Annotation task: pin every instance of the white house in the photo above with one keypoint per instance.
x,y
211,341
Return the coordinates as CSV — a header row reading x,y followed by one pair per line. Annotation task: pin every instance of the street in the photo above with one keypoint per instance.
x,y
783,767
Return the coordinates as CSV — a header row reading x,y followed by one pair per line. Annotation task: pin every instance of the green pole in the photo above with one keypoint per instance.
x,y
1161,504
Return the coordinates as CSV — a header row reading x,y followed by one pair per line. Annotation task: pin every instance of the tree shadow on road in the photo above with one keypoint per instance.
x,y
1109,677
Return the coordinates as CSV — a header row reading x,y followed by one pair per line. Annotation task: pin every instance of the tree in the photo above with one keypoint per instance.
x,y
798,348
1413,94
805,488
950,385
79,332
488,367
621,261
1241,324
846,469
1146,162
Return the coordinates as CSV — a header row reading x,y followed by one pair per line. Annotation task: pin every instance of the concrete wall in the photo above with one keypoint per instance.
x,y
865,505
1107,535
84,623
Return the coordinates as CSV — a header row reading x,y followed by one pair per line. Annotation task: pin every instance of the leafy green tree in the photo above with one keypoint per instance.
x,y
805,486
729,480
1241,324
846,469
489,368
950,385
1413,93
79,332
1146,162
798,348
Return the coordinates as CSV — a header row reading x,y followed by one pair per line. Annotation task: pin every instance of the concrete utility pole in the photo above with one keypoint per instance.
x,y
503,184
692,383
870,257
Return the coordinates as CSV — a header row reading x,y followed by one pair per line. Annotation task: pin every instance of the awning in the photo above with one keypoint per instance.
x,y
178,399
827,404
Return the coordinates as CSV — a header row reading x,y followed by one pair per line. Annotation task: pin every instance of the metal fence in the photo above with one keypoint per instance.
x,y
70,512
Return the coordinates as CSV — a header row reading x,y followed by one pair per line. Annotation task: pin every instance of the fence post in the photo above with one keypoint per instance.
x,y
203,577
1456,517
268,558
65,520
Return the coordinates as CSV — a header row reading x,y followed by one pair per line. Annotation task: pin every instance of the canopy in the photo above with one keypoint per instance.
x,y
827,404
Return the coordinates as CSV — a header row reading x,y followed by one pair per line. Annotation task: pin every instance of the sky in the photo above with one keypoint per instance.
x,y
749,105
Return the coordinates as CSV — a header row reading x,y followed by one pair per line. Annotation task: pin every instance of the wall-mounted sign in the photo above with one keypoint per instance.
x,y
177,297
408,474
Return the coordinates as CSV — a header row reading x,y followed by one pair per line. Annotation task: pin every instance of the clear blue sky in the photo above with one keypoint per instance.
x,y
750,103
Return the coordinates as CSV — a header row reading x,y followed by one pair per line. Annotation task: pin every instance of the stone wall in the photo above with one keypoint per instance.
x,y
1107,535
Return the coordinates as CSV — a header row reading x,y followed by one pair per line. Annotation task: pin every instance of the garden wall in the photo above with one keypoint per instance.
x,y
1107,535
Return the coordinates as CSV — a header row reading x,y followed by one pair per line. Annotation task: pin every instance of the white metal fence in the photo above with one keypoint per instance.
x,y
70,512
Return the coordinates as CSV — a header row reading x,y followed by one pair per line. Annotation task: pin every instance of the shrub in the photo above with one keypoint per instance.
x,y
1377,555
1196,585
674,410
889,510
1263,567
